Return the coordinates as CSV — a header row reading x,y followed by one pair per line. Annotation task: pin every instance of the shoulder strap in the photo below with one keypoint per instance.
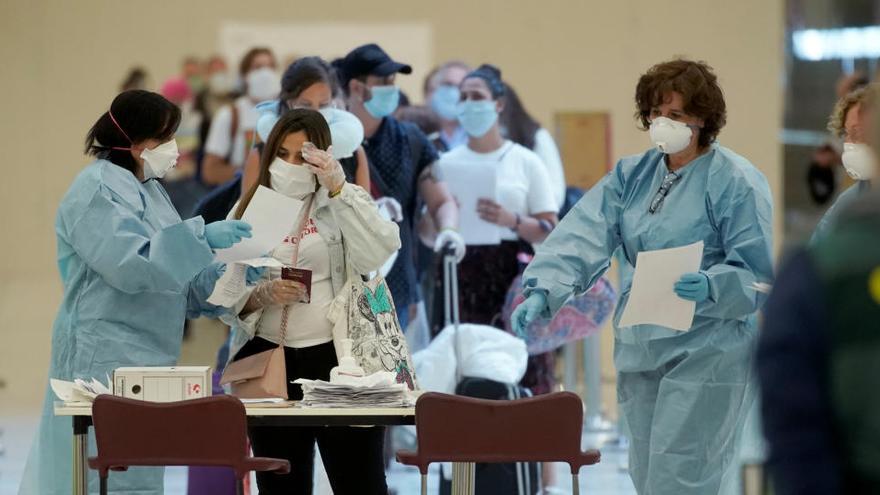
x,y
233,130
307,210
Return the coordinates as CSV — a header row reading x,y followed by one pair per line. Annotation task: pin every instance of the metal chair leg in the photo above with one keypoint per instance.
x,y
575,485
424,484
104,484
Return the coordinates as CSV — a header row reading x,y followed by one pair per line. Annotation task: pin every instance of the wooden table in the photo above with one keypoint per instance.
x,y
257,415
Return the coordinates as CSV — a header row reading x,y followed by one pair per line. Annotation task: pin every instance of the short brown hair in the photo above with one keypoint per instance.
x,y
863,96
248,59
698,87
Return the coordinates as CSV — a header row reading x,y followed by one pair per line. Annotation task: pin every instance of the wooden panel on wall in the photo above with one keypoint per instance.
x,y
584,140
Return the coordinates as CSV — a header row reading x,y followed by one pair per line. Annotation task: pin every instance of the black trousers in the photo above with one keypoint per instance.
x,y
353,457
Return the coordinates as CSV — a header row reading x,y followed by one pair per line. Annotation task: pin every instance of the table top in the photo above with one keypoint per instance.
x,y
85,409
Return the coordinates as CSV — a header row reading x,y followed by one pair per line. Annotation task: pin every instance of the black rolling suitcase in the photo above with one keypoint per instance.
x,y
519,478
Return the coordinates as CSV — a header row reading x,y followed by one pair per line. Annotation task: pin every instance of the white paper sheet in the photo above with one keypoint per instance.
x,y
272,216
652,299
468,182
231,285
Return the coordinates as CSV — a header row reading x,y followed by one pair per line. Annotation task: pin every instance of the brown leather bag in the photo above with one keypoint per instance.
x,y
264,375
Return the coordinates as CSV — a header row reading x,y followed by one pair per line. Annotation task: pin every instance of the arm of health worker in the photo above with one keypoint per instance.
x,y
579,249
114,241
745,224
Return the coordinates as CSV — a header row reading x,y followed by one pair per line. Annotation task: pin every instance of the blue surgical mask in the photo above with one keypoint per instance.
x,y
444,101
383,102
477,117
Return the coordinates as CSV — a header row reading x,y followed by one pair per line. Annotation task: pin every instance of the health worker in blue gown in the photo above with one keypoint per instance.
x,y
684,395
132,273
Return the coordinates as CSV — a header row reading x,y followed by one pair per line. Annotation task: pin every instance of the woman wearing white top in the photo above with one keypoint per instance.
x,y
521,128
344,233
524,204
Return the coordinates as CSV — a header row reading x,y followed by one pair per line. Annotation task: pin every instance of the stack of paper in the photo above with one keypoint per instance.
x,y
79,390
376,390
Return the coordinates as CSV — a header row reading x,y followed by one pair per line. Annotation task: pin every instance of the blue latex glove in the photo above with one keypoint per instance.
x,y
693,287
527,312
254,274
225,233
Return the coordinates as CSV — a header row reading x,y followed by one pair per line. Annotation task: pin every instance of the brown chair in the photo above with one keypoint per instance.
x,y
453,428
202,432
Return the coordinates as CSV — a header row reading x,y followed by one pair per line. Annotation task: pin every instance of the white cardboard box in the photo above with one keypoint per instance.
x,y
162,383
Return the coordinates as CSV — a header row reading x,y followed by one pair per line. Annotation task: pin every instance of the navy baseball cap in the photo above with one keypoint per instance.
x,y
368,60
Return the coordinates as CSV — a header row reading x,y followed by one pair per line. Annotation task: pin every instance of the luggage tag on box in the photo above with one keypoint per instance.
x,y
302,276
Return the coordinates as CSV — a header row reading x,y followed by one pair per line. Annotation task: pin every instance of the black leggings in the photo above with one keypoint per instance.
x,y
353,457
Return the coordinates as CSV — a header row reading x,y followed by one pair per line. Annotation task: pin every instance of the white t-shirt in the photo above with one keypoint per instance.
x,y
307,323
522,183
217,142
545,148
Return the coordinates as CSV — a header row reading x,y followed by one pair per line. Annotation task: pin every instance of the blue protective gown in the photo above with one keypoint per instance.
x,y
684,395
132,272
846,198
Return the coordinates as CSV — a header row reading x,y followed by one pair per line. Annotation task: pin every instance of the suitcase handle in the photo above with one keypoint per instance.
x,y
451,314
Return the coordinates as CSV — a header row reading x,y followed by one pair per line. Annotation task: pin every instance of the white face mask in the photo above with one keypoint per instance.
x,y
159,160
859,161
670,136
294,181
221,83
263,84
346,131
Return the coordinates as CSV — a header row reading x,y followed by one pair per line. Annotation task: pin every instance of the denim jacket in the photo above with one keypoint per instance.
x,y
359,239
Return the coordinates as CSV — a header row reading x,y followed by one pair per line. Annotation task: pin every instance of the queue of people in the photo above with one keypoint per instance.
x,y
326,133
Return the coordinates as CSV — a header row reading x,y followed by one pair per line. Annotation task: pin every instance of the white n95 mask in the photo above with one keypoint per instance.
x,y
670,136
859,161
346,131
159,160
293,181
263,84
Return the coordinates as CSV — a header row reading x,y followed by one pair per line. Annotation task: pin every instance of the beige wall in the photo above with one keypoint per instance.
x,y
62,62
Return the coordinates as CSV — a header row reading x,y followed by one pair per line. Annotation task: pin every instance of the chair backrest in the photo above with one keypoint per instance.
x,y
546,428
202,432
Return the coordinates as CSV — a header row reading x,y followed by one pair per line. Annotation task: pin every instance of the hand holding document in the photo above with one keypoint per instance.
x,y
231,285
652,299
468,182
271,216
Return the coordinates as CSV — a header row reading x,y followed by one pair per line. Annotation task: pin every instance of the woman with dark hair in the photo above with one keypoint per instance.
x,y
311,83
684,394
132,272
342,233
518,126
522,204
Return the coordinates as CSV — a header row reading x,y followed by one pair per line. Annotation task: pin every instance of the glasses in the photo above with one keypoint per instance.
x,y
670,179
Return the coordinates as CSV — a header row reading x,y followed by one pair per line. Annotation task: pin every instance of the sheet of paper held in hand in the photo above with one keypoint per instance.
x,y
232,284
652,299
271,216
468,182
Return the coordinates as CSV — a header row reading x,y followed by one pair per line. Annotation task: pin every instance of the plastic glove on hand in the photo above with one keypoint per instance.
x,y
693,287
454,240
528,312
278,292
326,168
225,233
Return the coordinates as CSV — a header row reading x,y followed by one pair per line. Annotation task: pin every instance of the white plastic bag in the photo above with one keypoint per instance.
x,y
483,352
